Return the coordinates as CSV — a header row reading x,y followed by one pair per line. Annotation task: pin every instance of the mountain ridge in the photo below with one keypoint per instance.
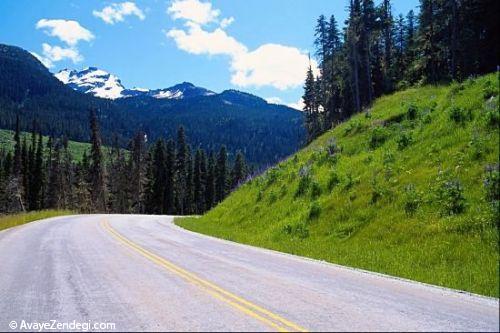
x,y
264,132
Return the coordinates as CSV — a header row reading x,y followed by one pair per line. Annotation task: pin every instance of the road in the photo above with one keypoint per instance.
x,y
145,273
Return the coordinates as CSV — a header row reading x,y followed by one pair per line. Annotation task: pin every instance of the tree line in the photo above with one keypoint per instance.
x,y
377,53
166,177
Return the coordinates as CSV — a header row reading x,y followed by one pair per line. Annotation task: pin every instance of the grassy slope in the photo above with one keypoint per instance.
x,y
9,221
344,225
76,148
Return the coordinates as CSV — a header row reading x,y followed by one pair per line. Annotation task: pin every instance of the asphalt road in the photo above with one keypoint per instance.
x,y
144,273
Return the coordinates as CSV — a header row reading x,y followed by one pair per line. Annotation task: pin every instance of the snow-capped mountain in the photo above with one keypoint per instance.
x,y
102,84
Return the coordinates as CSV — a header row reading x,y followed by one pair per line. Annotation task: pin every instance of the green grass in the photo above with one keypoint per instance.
x,y
9,221
386,201
76,148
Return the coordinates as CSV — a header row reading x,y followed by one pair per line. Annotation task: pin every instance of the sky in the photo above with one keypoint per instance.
x,y
257,46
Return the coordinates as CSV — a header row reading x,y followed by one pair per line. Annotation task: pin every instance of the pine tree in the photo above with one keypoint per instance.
x,y
158,178
170,166
14,189
310,106
221,181
137,173
38,176
189,203
54,186
97,173
181,171
199,185
210,182
239,171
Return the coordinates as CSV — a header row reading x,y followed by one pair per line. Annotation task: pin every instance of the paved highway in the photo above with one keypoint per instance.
x,y
145,273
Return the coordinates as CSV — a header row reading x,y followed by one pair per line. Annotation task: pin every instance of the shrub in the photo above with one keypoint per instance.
x,y
283,191
459,115
456,88
388,157
492,183
489,90
332,147
352,127
378,136
492,118
315,190
350,182
492,187
314,211
404,140
378,192
271,176
260,194
477,146
299,230
412,112
412,199
333,181
273,197
450,196
304,182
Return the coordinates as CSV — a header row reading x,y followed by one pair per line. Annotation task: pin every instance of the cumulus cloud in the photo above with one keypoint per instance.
x,y
193,11
274,100
45,61
68,31
195,40
279,66
226,22
116,12
57,53
282,67
299,105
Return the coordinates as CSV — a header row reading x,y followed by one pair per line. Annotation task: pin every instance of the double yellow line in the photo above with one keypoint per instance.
x,y
265,316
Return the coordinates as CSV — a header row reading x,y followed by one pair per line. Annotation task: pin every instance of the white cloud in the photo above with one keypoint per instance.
x,y
70,32
226,22
299,105
193,11
279,66
116,12
274,100
46,62
57,53
195,40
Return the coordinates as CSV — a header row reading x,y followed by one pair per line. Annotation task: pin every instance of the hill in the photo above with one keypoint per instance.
x,y
408,188
76,148
264,132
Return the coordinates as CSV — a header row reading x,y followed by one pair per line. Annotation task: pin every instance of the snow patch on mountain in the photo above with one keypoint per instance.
x,y
93,81
102,84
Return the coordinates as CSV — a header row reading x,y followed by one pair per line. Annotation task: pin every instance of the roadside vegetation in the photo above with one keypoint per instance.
x,y
9,221
409,187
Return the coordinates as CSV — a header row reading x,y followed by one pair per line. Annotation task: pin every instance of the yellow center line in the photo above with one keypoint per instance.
x,y
235,301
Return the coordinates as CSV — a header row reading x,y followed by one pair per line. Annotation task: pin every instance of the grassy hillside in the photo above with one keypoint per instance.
x,y
408,188
77,148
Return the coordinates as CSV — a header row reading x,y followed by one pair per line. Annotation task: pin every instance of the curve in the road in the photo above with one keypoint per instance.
x,y
265,316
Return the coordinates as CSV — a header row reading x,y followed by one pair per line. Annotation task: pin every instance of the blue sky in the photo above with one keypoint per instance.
x,y
258,46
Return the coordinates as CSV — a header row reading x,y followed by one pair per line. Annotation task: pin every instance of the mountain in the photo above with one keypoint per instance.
x,y
100,83
264,132
408,188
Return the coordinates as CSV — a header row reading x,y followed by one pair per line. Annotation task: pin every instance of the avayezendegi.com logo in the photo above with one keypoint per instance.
x,y
54,325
